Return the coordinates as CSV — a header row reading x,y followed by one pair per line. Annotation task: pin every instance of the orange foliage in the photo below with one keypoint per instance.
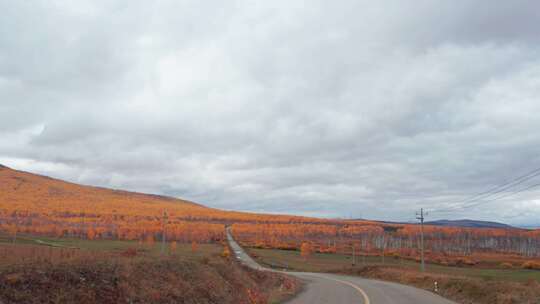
x,y
531,265
40,205
36,204
226,252
149,240
90,234
305,250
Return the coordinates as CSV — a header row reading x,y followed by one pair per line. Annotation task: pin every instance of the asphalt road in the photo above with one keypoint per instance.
x,y
323,288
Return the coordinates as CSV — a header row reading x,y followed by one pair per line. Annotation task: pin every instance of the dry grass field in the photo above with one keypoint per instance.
x,y
48,270
463,284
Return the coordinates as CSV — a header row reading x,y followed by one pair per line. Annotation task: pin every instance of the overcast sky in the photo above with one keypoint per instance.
x,y
366,109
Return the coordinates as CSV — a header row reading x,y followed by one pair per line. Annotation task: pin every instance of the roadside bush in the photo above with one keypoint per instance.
x,y
129,253
226,252
466,262
142,280
531,265
458,288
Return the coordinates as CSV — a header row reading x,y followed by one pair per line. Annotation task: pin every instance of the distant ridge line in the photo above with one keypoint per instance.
x,y
464,223
469,223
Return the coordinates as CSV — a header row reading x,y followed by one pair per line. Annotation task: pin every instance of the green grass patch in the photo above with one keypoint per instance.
x,y
115,247
322,262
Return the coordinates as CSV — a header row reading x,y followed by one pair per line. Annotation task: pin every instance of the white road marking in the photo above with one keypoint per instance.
x,y
356,287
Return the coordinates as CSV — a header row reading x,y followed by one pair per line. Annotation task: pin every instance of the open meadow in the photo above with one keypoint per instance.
x,y
68,270
464,284
324,262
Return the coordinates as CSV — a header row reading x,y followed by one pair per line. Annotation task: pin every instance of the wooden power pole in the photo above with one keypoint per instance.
x,y
353,255
420,216
164,222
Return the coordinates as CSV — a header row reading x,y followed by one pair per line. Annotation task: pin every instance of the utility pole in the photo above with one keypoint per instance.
x,y
383,245
353,255
164,221
420,216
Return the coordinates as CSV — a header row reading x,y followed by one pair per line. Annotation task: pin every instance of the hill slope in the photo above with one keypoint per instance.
x,y
40,204
468,223
35,193
36,204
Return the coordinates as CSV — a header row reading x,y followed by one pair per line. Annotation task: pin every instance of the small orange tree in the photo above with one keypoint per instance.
x,y
91,234
12,230
173,247
226,252
150,240
305,250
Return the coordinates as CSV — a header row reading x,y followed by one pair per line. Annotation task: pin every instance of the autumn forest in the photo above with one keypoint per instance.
x,y
33,204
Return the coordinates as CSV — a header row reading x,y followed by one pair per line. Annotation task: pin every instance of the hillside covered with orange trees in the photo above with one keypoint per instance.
x,y
41,205
31,203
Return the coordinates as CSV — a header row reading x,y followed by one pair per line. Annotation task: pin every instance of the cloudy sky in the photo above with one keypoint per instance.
x,y
366,109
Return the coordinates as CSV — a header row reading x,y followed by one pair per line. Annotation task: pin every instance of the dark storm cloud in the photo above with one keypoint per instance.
x,y
358,108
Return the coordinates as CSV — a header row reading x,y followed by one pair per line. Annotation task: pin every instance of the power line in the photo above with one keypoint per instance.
x,y
513,184
480,202
493,191
503,196
503,187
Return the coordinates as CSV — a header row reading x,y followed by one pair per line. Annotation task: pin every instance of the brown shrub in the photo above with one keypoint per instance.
x,y
145,280
129,253
457,288
226,252
255,297
451,263
531,265
465,262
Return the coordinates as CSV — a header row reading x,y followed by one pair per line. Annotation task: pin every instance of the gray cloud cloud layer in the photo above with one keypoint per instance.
x,y
362,108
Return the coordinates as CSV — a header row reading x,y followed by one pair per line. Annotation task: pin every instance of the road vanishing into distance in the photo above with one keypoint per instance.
x,y
323,288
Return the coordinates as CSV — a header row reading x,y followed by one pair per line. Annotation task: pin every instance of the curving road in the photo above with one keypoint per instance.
x,y
323,288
